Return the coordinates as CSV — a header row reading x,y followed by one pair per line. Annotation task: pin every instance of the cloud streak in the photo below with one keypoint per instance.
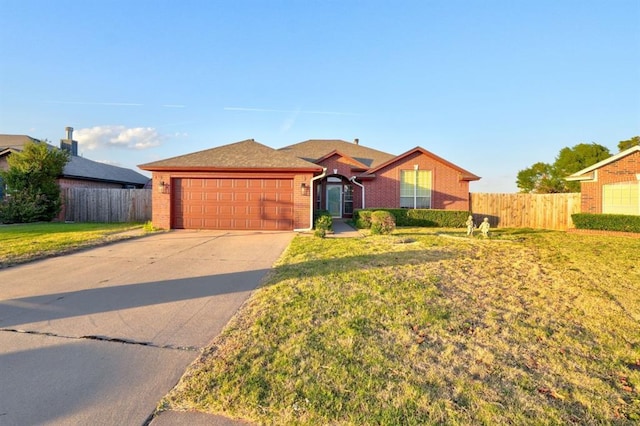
x,y
288,111
137,138
126,104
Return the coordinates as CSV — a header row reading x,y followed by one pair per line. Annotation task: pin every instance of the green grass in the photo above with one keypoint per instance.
x,y
429,327
25,242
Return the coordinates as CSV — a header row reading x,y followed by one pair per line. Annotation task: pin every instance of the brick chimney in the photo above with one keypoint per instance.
x,y
356,141
68,144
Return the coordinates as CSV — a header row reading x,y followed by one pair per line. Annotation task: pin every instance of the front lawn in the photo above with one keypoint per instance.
x,y
417,328
24,242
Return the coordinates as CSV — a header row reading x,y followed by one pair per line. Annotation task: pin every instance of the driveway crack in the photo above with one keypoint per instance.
x,y
104,339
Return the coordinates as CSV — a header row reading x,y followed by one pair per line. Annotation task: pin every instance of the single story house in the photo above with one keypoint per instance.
x,y
612,185
79,171
247,185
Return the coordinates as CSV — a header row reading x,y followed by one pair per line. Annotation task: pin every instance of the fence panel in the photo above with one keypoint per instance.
x,y
542,211
106,205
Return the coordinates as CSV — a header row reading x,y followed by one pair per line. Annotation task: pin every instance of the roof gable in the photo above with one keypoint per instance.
x,y
585,174
355,163
247,154
315,150
15,142
465,175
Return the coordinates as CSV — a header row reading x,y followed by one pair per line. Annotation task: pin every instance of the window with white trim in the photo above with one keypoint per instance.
x,y
415,189
621,198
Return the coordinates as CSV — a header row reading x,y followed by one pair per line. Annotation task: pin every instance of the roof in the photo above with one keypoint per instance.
x,y
247,154
78,167
585,174
315,149
83,168
15,142
464,174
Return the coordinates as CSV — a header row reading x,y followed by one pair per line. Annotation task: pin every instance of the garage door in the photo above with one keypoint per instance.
x,y
232,203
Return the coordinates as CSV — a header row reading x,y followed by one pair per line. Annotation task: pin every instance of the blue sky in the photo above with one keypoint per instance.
x,y
492,86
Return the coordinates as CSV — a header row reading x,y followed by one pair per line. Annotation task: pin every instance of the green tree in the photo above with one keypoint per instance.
x,y
538,179
629,143
571,160
32,191
544,178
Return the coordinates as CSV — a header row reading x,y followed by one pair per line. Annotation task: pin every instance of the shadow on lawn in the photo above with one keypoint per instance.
x,y
118,297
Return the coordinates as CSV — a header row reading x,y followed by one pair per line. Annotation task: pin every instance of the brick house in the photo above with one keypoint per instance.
x,y
612,185
247,185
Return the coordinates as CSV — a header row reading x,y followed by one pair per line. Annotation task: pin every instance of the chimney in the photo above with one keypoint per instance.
x,y
356,141
69,144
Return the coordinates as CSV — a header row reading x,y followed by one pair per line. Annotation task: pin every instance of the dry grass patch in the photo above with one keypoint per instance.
x,y
413,328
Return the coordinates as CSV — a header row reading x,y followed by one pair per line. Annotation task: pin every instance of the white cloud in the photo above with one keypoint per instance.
x,y
120,136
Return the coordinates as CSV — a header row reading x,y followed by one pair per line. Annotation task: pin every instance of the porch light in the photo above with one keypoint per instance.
x,y
163,188
304,189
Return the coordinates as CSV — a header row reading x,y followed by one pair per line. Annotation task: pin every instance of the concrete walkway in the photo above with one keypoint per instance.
x,y
341,229
100,336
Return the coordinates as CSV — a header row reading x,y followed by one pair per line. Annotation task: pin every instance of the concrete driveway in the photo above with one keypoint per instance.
x,y
100,336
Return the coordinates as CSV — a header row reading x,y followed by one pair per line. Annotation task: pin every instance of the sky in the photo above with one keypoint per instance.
x,y
492,86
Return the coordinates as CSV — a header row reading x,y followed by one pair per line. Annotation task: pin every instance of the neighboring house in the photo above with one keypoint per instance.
x,y
247,185
612,185
79,171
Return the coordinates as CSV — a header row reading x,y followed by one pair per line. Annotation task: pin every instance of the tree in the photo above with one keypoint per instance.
x,y
571,160
32,191
543,178
538,179
629,143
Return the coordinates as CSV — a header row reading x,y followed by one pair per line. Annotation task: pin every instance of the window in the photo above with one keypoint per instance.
x,y
415,189
319,196
621,198
348,199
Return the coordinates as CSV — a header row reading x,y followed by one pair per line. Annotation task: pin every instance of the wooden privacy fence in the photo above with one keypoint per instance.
x,y
543,211
106,205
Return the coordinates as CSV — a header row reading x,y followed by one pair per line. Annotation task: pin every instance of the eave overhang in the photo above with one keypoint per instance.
x,y
182,169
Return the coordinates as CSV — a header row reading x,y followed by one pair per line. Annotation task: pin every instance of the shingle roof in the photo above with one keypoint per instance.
x,y
247,154
83,168
314,149
15,141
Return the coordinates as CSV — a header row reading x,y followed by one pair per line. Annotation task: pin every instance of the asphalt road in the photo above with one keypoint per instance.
x,y
100,336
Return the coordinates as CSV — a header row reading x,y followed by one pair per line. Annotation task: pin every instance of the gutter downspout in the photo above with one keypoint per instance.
x,y
311,198
353,180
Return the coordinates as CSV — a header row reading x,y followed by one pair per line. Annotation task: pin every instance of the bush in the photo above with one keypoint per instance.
x,y
323,223
382,222
416,217
606,222
27,208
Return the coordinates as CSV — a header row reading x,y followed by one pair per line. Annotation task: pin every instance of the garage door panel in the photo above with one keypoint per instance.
x,y
233,203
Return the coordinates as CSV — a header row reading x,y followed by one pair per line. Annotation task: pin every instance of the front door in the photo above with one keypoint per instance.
x,y
334,200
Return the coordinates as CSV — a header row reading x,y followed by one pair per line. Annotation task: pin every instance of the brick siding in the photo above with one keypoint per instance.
x,y
449,192
619,171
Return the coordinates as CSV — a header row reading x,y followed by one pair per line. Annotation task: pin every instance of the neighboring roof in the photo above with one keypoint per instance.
x,y
315,149
247,154
15,142
585,174
78,167
464,174
83,168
